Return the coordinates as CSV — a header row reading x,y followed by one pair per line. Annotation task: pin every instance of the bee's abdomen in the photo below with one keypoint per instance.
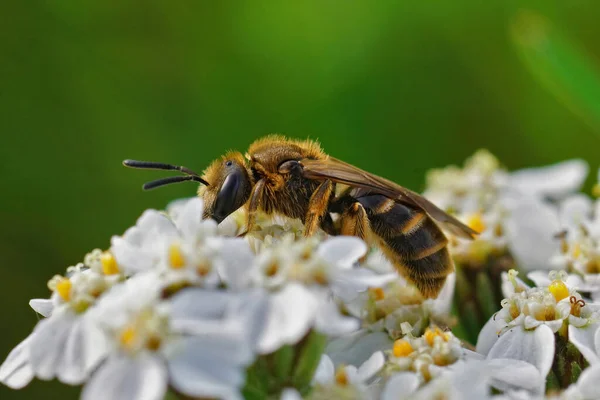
x,y
412,241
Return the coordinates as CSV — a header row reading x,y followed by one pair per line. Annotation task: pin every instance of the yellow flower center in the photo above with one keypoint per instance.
x,y
402,348
341,377
203,268
475,222
320,277
176,259
109,264
63,288
593,266
576,250
128,337
596,190
558,289
514,310
272,269
431,334
377,293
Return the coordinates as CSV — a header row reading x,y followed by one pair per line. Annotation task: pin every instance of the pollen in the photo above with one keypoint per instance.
x,y
109,264
576,250
475,222
514,310
402,348
203,268
176,259
320,277
272,269
558,289
377,293
431,334
63,288
341,377
128,337
153,343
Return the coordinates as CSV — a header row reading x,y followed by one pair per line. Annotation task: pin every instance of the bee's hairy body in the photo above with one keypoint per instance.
x,y
297,179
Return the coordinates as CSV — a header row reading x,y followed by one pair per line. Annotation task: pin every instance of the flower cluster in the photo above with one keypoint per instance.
x,y
182,307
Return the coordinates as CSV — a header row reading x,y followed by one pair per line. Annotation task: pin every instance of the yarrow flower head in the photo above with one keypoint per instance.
x,y
483,195
67,343
532,320
179,305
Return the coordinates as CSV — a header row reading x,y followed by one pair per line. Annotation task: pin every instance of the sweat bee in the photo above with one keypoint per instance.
x,y
297,179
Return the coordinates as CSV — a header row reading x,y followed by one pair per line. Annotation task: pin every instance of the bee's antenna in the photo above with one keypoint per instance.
x,y
156,165
172,179
190,175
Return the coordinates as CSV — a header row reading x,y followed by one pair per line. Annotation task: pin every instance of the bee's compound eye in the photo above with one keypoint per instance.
x,y
229,163
290,167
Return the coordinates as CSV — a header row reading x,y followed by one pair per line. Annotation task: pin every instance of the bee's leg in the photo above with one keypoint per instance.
x,y
317,207
254,204
355,222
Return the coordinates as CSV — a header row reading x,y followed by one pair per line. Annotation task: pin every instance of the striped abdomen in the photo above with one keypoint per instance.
x,y
411,240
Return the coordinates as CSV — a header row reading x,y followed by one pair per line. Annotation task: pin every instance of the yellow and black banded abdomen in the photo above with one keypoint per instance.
x,y
411,240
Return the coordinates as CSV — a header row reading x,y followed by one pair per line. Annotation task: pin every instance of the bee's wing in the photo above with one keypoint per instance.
x,y
339,171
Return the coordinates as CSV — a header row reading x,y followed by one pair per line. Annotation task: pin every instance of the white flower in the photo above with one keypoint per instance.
x,y
67,344
305,278
508,209
202,340
346,382
525,327
544,236
184,251
472,379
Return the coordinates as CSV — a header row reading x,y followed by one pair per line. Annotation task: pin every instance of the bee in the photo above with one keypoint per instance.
x,y
297,179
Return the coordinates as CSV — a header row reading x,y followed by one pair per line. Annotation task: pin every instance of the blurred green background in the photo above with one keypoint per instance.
x,y
395,87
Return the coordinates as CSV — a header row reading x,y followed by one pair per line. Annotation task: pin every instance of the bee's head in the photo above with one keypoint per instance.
x,y
226,184
229,186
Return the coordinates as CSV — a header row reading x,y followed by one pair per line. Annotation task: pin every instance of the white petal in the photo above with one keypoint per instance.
x,y
371,367
43,307
400,386
291,314
588,382
199,304
15,371
574,210
237,263
325,371
342,250
209,367
554,181
85,347
155,223
290,394
487,337
132,259
330,321
508,288
587,341
47,343
190,217
143,377
511,374
535,347
355,349
530,230
540,278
